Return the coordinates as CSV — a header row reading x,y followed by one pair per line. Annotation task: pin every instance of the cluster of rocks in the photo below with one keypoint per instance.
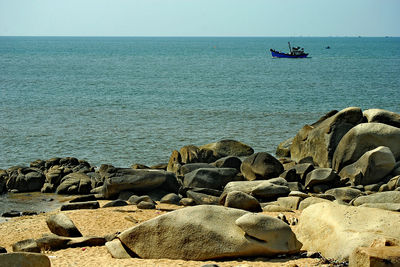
x,y
346,159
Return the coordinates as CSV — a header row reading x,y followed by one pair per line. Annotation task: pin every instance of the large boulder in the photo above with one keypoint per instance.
x,y
382,116
214,178
370,168
320,139
24,259
3,181
380,197
240,200
261,166
74,183
60,224
185,169
336,230
226,148
209,232
345,194
321,176
365,137
283,149
25,179
121,179
193,154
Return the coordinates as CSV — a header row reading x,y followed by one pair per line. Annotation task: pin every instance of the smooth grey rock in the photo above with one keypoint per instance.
x,y
268,190
321,176
187,202
83,198
291,203
201,198
228,162
180,234
226,148
27,245
24,259
115,203
283,149
380,197
345,194
382,116
384,206
261,166
74,183
240,200
214,178
25,179
145,205
311,201
170,198
80,205
275,208
185,169
302,170
137,199
117,250
60,224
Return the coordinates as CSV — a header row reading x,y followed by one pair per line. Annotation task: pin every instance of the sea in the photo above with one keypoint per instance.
x,y
126,100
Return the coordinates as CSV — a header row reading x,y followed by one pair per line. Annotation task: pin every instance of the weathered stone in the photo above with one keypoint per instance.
x,y
117,250
240,200
226,148
136,180
202,199
80,205
394,183
261,166
363,138
138,166
283,149
60,224
228,162
185,169
275,208
291,203
302,170
25,180
3,180
137,199
370,168
320,139
3,250
298,194
336,230
214,178
74,183
11,214
207,232
311,201
190,154
175,162
384,206
170,198
381,197
345,194
382,116
321,176
320,188
27,245
290,175
187,202
375,256
115,203
24,259
83,198
145,205
268,190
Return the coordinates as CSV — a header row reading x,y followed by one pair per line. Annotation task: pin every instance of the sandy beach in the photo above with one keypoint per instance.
x,y
100,222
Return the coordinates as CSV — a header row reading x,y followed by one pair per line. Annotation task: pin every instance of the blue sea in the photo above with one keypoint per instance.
x,y
134,100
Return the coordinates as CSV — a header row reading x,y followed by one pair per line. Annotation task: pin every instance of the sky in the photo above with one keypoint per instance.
x,y
199,18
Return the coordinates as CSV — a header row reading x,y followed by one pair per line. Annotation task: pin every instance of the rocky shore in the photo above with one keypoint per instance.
x,y
331,195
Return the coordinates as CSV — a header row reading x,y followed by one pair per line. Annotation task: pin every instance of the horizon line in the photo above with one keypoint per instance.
x,y
206,36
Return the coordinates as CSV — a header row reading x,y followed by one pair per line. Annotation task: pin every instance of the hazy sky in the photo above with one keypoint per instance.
x,y
200,17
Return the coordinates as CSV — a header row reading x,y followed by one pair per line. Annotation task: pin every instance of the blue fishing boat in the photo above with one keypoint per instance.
x,y
295,52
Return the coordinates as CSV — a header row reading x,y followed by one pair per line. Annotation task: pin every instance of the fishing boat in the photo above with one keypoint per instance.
x,y
295,52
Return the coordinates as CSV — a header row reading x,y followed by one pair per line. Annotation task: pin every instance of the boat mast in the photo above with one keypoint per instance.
x,y
290,48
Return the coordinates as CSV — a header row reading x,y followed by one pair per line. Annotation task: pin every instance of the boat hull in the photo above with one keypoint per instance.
x,y
285,55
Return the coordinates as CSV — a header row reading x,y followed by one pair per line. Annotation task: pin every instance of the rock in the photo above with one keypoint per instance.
x,y
298,194
345,194
290,175
248,186
381,197
226,148
320,188
320,139
375,256
363,138
382,116
201,198
80,205
175,162
160,166
86,241
185,169
115,203
60,224
138,166
26,180
145,205
275,208
321,176
83,198
228,162
171,198
261,166
193,154
336,230
117,250
370,168
205,232
136,180
302,170
394,183
240,200
3,180
263,227
283,149
214,178
74,183
24,259
290,203
54,175
137,199
295,186
268,191
55,242
384,206
27,245
11,214
2,250
187,202
311,201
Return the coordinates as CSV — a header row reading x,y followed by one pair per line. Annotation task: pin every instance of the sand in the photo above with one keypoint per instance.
x,y
104,221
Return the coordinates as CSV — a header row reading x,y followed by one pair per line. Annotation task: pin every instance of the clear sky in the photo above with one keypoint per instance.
x,y
199,18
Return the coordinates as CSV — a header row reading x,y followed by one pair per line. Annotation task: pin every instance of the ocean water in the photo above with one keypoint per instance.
x,y
134,100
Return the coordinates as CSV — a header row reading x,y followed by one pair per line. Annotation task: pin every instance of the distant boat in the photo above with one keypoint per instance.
x,y
295,52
